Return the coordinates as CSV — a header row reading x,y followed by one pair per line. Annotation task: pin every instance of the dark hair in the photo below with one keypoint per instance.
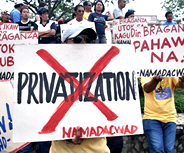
x,y
42,4
76,7
167,13
86,3
18,5
102,5
42,10
73,15
128,13
23,9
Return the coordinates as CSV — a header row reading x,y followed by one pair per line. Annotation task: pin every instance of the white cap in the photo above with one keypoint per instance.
x,y
75,29
19,2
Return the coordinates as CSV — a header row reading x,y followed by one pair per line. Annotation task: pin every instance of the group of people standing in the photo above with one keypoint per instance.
x,y
159,121
47,28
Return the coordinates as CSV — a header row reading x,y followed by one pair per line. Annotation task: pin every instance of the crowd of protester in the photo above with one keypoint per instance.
x,y
49,33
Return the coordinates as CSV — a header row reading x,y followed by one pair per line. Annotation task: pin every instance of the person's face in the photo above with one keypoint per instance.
x,y
5,18
99,6
80,12
88,7
169,17
80,39
45,16
122,3
25,14
131,16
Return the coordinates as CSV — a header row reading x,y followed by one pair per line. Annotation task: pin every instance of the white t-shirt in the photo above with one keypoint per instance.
x,y
117,13
74,21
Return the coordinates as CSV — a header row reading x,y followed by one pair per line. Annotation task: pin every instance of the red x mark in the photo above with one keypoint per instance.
x,y
65,105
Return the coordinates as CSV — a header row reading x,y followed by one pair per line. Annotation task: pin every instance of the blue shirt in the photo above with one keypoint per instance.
x,y
15,16
169,23
99,20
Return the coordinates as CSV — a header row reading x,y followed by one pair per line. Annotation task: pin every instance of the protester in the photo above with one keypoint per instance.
x,y
58,31
169,17
118,12
46,28
79,11
5,17
87,9
159,121
15,13
78,34
129,14
37,16
25,25
99,20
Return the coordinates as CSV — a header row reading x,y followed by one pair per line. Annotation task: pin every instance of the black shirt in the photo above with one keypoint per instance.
x,y
25,26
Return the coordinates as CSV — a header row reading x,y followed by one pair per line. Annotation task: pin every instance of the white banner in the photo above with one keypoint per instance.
x,y
51,99
11,27
160,50
8,39
6,120
125,29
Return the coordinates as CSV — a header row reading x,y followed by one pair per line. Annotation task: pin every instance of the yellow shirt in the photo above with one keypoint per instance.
x,y
89,145
86,15
159,104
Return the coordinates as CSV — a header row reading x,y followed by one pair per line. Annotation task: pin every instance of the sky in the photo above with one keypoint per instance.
x,y
142,7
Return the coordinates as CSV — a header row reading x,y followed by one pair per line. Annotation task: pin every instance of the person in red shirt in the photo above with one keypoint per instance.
x,y
5,17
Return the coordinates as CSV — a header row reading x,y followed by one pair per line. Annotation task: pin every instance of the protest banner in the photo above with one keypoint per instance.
x,y
124,29
11,27
6,122
8,39
60,87
160,50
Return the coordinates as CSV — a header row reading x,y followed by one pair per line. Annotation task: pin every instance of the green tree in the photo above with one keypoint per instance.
x,y
58,8
176,6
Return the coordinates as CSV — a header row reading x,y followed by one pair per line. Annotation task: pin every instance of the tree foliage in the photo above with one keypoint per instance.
x,y
176,6
58,8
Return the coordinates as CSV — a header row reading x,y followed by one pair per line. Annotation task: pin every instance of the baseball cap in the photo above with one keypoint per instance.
x,y
42,10
60,20
18,3
5,12
75,29
131,9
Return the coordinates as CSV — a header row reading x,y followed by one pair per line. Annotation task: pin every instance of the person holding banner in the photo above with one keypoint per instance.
x,y
118,12
129,14
5,17
25,25
79,34
159,120
99,20
46,28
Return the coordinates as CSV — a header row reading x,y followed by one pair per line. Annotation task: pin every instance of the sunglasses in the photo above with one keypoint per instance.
x,y
89,5
80,11
80,38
